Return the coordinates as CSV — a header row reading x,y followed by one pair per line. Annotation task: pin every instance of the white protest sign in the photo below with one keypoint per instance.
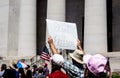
x,y
64,34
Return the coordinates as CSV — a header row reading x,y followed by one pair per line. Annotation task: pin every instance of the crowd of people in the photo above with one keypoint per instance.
x,y
82,66
13,70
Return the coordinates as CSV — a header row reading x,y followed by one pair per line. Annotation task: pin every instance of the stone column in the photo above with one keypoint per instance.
x,y
4,17
56,10
13,25
95,29
27,28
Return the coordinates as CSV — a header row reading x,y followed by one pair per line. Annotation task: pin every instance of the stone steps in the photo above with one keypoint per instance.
x,y
28,60
4,62
115,64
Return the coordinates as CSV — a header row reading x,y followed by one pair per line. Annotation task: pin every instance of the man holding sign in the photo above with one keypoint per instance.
x,y
65,36
73,70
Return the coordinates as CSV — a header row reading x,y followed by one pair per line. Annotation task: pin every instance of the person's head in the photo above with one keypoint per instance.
x,y
3,67
40,70
23,60
29,74
95,66
21,72
77,58
57,60
34,66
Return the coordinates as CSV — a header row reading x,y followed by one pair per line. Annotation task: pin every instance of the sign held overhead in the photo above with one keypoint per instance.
x,y
64,34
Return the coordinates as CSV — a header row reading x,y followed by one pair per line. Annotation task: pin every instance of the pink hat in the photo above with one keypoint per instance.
x,y
95,63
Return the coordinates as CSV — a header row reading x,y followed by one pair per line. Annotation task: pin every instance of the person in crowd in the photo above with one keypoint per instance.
x,y
76,70
77,61
13,67
34,71
56,62
28,72
40,73
9,73
97,66
3,68
45,69
21,73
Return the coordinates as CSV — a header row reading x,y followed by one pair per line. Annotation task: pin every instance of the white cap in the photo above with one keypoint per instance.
x,y
58,59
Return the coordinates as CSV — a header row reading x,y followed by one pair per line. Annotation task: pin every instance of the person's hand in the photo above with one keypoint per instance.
x,y
50,40
52,46
78,43
79,46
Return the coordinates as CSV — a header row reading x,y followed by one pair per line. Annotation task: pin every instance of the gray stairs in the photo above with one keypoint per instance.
x,y
29,60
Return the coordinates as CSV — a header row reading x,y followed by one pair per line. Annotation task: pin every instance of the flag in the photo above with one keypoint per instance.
x,y
45,54
21,65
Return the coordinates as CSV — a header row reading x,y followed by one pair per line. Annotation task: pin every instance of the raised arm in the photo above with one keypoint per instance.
x,y
52,46
79,46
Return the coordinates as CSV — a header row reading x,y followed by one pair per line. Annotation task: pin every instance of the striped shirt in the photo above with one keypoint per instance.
x,y
72,70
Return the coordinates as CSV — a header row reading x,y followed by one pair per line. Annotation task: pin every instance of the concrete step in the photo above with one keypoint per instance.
x,y
28,60
4,62
115,64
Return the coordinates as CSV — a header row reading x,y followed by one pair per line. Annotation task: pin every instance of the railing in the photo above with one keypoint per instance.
x,y
30,61
36,60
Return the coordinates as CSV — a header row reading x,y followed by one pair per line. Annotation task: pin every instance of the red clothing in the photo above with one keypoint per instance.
x,y
58,74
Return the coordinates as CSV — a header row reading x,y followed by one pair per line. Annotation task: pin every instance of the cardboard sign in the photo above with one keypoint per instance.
x,y
64,34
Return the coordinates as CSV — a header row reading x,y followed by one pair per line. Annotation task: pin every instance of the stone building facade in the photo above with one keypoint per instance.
x,y
23,25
